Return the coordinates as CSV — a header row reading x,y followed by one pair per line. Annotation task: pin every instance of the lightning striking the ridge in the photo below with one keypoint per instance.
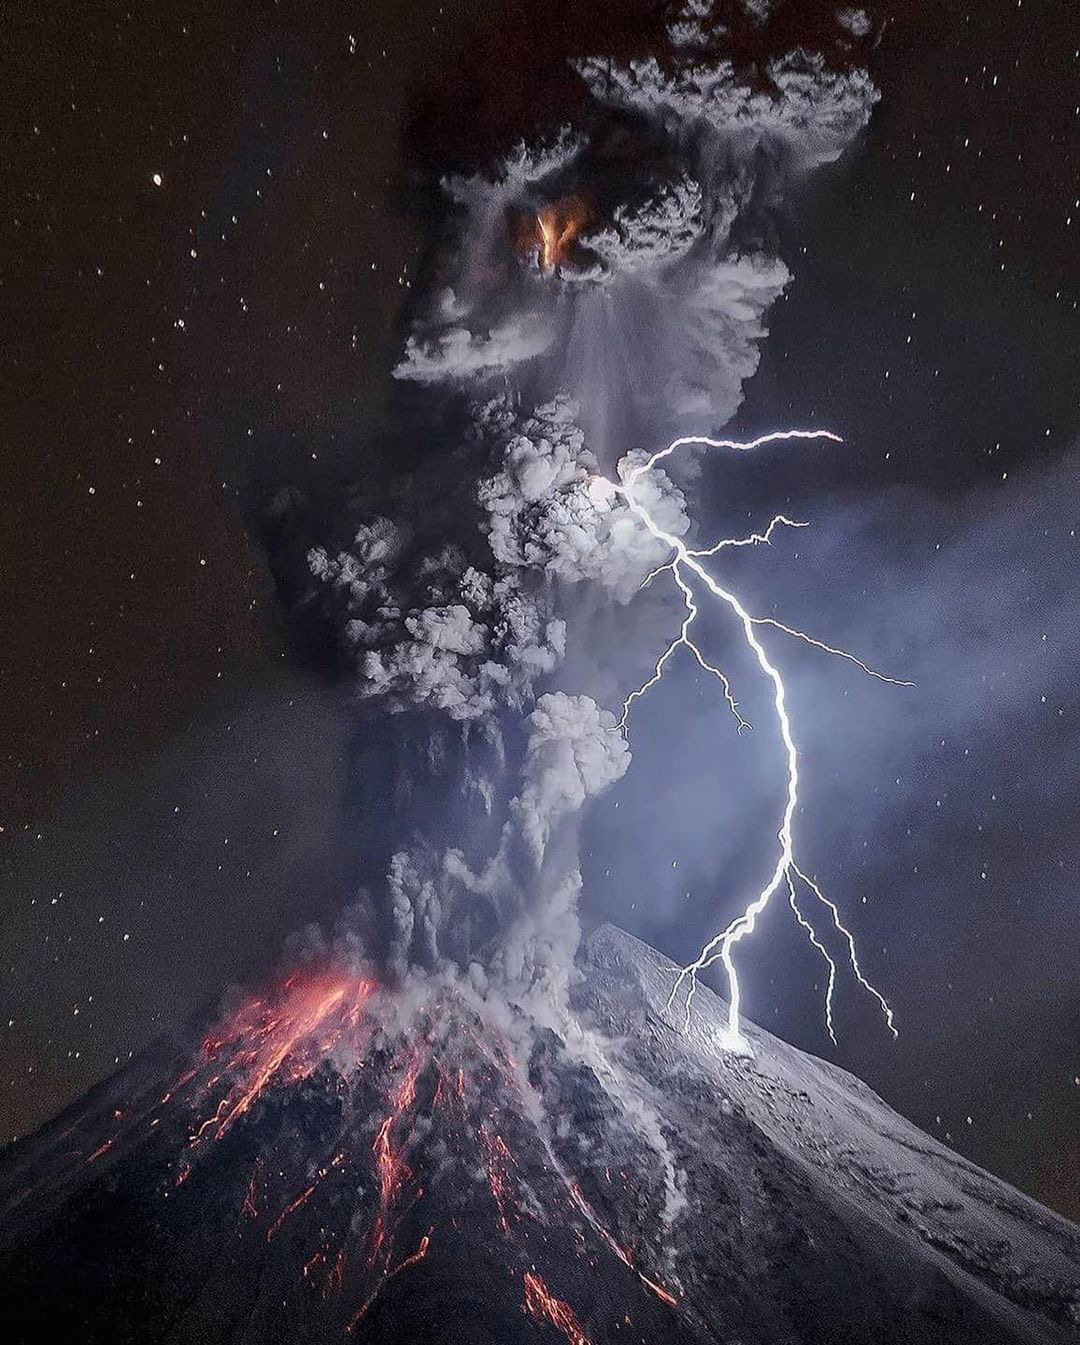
x,y
720,946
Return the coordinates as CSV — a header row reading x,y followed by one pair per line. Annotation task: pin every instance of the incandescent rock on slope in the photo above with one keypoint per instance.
x,y
331,1162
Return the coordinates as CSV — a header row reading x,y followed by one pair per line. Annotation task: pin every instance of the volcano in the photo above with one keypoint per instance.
x,y
332,1161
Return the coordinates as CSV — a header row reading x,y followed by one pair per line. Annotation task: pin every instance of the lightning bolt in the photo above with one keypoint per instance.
x,y
684,562
683,639
811,934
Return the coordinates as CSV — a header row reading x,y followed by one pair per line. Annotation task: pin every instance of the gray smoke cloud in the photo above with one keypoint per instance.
x,y
456,352
610,282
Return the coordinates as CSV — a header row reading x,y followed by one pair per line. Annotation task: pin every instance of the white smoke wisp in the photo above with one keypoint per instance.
x,y
456,352
856,21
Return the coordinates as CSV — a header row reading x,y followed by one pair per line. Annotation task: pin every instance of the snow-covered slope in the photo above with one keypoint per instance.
x,y
815,1211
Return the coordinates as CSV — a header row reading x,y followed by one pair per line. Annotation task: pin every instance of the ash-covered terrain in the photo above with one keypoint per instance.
x,y
328,1160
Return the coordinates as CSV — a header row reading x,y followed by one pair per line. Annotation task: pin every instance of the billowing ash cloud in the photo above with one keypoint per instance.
x,y
548,510
806,108
608,287
432,630
654,232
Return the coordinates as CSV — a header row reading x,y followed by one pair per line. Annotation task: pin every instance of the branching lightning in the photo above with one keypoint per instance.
x,y
683,638
811,934
720,948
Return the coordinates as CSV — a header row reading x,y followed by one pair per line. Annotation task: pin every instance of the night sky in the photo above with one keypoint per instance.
x,y
210,241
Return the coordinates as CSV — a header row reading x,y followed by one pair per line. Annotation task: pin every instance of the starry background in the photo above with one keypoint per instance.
x,y
207,256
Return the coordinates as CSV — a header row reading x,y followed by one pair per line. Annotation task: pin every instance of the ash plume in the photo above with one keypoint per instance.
x,y
607,283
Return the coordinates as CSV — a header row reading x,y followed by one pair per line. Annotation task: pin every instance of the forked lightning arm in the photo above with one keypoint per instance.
x,y
684,562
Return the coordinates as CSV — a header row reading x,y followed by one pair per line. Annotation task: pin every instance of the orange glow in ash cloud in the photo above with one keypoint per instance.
x,y
557,227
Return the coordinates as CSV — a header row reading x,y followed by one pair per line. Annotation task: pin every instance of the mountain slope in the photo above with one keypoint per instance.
x,y
330,1162
853,1224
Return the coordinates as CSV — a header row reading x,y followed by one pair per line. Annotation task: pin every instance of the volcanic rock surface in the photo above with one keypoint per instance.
x,y
327,1162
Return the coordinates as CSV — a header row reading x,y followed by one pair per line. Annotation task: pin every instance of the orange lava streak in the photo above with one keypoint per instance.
x,y
418,1255
336,1275
291,1038
542,1304
184,1079
624,1256
250,1206
291,1208
658,1289
498,1160
390,1165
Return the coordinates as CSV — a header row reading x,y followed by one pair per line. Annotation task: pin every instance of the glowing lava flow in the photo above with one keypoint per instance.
x,y
542,1304
390,1165
411,1260
289,1080
719,948
287,1040
665,1295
